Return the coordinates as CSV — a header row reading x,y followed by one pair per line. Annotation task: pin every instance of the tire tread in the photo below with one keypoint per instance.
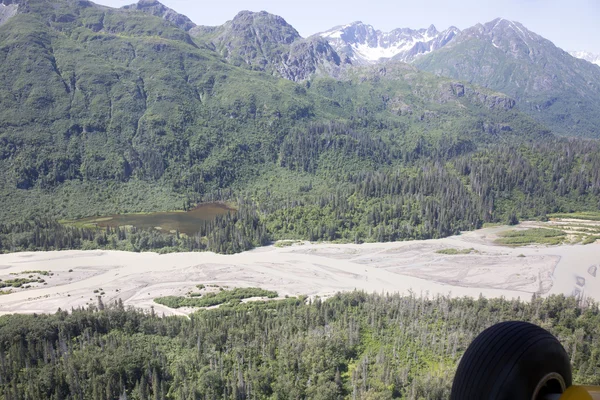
x,y
492,357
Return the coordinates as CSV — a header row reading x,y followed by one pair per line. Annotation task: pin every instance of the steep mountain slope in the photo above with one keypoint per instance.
x,y
93,95
555,88
266,42
587,56
362,44
106,94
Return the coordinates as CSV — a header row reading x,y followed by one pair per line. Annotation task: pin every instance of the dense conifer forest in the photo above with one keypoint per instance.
x,y
352,346
431,193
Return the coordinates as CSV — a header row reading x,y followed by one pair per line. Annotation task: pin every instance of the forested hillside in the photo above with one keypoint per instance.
x,y
436,193
110,111
353,346
97,95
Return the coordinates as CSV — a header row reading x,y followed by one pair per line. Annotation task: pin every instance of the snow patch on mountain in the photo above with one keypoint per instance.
x,y
7,12
362,44
587,56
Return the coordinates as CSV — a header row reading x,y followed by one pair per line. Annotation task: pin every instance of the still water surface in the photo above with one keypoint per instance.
x,y
185,222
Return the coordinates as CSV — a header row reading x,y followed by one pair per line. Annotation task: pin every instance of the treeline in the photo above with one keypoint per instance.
x,y
419,203
425,198
229,233
437,197
352,346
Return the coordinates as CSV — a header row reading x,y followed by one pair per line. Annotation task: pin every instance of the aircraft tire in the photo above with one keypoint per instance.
x,y
512,361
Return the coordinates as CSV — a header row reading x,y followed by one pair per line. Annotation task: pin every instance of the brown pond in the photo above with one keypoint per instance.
x,y
187,222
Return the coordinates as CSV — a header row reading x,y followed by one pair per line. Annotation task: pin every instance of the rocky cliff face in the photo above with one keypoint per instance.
x,y
266,42
362,44
311,56
157,9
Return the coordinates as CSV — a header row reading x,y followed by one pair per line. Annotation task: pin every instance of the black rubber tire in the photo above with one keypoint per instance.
x,y
507,361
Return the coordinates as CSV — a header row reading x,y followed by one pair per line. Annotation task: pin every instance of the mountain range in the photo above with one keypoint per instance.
x,y
95,94
136,109
362,44
553,87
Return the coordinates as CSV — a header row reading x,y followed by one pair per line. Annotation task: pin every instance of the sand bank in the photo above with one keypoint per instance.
x,y
310,269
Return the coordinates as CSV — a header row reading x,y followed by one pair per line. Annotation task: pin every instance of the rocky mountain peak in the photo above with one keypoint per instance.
x,y
545,80
355,32
363,44
509,37
158,9
266,42
502,29
501,25
432,30
263,26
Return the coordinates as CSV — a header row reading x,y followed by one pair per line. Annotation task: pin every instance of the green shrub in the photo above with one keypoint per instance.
x,y
532,236
453,251
214,299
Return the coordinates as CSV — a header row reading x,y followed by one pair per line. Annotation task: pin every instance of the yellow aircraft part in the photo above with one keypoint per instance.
x,y
581,393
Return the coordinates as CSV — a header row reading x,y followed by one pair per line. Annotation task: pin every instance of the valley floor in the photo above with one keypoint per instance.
x,y
307,269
